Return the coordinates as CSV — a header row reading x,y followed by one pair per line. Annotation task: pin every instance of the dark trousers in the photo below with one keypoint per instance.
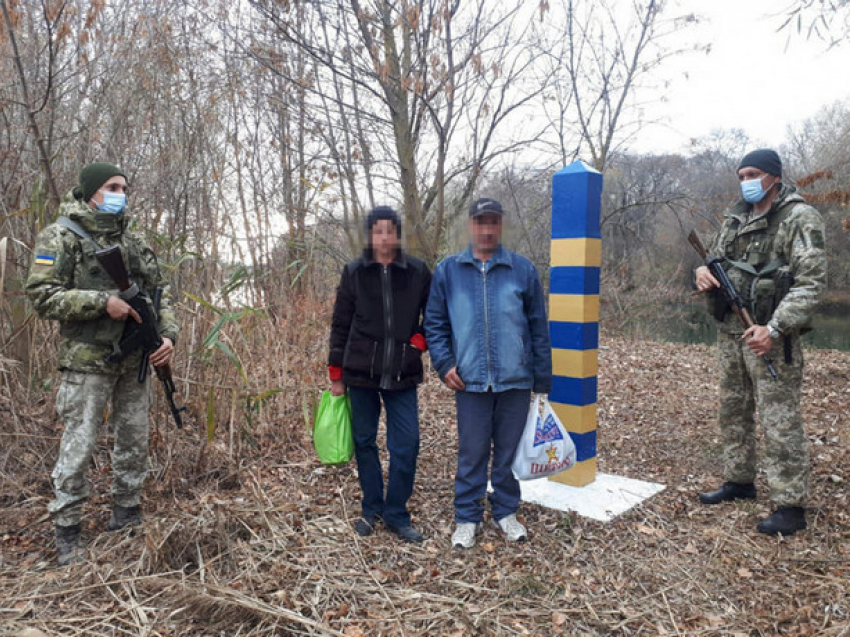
x,y
488,421
402,444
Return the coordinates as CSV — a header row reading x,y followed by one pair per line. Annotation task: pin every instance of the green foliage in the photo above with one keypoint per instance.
x,y
213,341
253,403
184,256
301,266
239,277
210,415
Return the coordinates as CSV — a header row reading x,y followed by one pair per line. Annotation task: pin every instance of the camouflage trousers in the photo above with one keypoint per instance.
x,y
747,388
81,402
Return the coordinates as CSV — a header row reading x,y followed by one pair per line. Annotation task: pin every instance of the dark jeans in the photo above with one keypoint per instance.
x,y
485,421
402,443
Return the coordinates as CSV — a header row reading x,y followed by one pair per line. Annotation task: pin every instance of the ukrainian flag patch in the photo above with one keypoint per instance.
x,y
44,259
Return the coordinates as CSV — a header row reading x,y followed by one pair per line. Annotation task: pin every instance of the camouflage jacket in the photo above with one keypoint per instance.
x,y
66,283
784,244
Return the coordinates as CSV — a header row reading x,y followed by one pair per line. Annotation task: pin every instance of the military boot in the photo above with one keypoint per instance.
x,y
124,516
785,520
728,492
69,548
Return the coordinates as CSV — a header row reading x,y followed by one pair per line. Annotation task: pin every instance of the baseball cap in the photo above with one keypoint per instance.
x,y
485,206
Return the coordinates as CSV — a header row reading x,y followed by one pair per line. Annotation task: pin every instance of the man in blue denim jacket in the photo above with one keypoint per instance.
x,y
486,327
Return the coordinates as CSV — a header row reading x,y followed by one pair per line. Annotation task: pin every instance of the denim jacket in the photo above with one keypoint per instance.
x,y
489,321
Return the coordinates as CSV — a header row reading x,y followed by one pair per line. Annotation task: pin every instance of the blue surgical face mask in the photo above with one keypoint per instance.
x,y
113,202
752,190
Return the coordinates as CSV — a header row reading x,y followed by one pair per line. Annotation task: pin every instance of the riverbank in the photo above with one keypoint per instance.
x,y
686,320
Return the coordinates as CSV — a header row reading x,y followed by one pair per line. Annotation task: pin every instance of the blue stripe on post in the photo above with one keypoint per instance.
x,y
585,445
579,336
573,280
573,391
576,188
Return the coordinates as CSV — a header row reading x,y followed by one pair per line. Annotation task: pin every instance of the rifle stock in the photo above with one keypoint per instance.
x,y
142,335
731,295
112,261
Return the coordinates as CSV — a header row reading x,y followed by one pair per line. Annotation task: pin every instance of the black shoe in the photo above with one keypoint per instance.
x,y
124,516
406,533
785,520
728,492
69,548
366,525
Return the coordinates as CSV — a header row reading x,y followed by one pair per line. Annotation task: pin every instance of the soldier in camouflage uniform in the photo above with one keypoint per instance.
x,y
772,244
67,284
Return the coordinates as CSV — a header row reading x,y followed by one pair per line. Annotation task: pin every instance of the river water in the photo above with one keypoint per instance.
x,y
690,323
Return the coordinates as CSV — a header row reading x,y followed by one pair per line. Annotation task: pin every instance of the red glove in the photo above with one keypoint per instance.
x,y
418,341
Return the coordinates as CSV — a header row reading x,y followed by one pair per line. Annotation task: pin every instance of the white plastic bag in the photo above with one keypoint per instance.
x,y
545,447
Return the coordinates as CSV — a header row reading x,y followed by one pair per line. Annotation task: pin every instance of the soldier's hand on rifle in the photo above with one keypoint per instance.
x,y
118,309
162,356
758,339
704,279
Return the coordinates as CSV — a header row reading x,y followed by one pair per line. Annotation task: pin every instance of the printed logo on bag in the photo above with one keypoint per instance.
x,y
553,463
548,431
547,469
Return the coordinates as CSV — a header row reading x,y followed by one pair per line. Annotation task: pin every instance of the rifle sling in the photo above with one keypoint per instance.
x,y
130,293
77,229
73,226
770,268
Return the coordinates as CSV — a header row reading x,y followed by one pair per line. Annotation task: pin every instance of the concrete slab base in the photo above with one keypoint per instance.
x,y
603,499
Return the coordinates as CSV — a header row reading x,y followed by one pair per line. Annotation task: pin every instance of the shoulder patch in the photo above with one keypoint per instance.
x,y
816,237
45,258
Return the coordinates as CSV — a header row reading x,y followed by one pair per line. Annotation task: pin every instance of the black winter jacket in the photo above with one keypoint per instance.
x,y
377,311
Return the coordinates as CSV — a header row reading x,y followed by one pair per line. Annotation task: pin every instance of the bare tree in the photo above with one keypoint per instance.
x,y
827,20
818,155
424,86
598,65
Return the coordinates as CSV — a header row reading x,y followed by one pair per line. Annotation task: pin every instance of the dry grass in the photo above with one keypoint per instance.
x,y
257,541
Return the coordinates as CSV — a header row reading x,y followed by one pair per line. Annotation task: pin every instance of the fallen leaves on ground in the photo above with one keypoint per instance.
x,y
266,546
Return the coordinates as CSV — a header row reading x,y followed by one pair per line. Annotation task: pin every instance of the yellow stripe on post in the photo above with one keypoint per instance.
x,y
575,363
578,475
574,308
583,252
579,420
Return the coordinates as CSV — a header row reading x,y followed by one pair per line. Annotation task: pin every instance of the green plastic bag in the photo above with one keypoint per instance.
x,y
332,429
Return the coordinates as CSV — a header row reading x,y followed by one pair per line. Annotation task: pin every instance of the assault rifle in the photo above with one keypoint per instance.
x,y
142,335
729,292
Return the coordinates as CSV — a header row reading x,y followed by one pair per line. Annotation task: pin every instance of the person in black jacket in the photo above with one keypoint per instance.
x,y
376,348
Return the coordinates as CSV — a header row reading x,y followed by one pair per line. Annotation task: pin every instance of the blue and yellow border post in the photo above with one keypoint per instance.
x,y
576,258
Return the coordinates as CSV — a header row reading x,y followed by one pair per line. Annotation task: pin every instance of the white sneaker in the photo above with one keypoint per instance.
x,y
513,529
464,535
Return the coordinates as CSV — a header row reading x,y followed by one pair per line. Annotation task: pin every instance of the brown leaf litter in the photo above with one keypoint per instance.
x,y
267,548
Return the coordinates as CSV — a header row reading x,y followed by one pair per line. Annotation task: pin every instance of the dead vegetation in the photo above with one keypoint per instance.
x,y
259,542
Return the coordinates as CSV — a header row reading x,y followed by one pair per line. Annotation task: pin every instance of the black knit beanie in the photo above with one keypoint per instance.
x,y
93,176
380,213
764,159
